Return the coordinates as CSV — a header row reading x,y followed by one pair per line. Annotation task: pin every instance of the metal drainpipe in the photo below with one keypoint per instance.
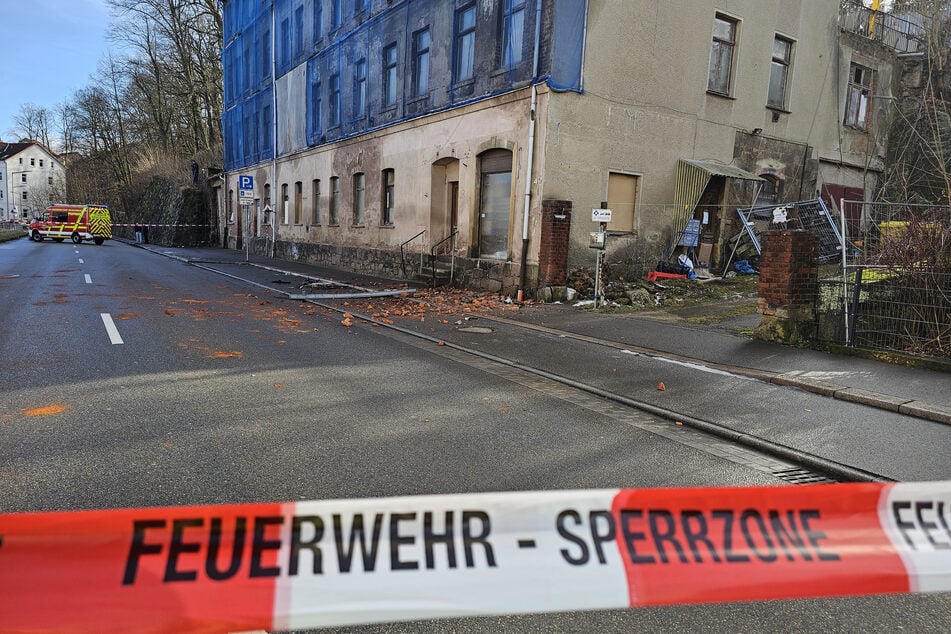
x,y
274,135
529,172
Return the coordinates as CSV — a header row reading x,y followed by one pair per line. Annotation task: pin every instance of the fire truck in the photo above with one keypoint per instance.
x,y
76,222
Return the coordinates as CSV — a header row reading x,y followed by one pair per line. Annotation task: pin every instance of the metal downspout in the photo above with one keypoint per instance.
x,y
274,135
529,171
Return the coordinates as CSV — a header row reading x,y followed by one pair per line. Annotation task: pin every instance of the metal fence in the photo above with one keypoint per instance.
x,y
892,291
904,33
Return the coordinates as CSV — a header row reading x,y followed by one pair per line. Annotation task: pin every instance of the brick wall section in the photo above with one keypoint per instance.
x,y
553,246
789,274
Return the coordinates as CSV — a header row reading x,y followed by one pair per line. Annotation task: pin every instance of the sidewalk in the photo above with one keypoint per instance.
x,y
916,392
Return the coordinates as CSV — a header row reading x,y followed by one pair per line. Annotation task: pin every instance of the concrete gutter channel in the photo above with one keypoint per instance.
x,y
909,407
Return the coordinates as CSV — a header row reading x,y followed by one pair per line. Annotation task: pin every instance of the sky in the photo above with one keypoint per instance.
x,y
51,48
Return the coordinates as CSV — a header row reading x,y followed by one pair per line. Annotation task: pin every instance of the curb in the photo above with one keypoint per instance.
x,y
909,407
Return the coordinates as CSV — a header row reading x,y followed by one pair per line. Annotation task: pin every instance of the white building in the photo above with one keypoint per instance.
x,y
31,177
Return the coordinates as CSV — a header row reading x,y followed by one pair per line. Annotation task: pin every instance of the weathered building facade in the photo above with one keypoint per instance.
x,y
373,128
31,177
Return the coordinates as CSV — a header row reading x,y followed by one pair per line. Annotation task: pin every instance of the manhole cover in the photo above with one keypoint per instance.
x,y
482,330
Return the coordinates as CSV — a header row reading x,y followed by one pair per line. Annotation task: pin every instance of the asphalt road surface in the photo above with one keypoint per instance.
x,y
130,380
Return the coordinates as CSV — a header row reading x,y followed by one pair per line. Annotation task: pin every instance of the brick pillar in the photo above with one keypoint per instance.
x,y
553,246
788,286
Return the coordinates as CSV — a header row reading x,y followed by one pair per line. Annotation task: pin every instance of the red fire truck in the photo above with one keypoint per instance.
x,y
76,222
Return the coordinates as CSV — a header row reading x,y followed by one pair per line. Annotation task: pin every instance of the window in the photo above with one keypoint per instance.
x,y
41,162
779,72
334,198
335,14
49,180
32,162
359,198
421,62
284,204
316,108
513,27
389,76
315,201
24,196
622,201
266,124
298,202
857,112
267,202
360,89
721,55
318,19
266,53
285,42
465,44
389,180
22,178
335,100
770,190
298,31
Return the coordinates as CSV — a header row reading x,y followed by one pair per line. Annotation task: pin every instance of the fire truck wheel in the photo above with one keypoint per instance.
x,y
36,236
77,238
98,240
57,239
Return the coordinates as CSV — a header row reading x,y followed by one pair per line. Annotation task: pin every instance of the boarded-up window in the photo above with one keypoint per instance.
x,y
622,201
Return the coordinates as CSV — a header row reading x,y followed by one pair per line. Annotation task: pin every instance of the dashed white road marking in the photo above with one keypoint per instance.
x,y
111,328
88,279
81,261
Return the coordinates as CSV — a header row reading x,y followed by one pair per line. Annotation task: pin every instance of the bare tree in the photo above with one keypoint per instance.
x,y
33,122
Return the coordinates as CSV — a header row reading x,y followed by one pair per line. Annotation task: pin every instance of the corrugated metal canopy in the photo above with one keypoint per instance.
x,y
693,175
716,168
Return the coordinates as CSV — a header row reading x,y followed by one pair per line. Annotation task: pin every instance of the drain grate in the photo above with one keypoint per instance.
x,y
801,476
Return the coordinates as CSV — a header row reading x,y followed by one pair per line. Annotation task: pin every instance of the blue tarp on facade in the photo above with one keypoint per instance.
x,y
302,32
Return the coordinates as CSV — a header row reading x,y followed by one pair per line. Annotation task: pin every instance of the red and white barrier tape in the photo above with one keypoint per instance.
x,y
117,224
323,563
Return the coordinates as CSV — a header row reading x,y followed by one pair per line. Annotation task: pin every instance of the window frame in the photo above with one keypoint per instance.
x,y
781,64
858,98
360,88
387,195
359,199
390,75
421,58
318,20
298,202
285,211
336,14
335,102
316,107
464,44
714,71
511,10
333,218
297,44
315,202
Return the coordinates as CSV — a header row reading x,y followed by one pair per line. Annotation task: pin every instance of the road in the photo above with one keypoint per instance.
x,y
131,380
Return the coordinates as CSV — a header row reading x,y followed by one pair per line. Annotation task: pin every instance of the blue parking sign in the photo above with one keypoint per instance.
x,y
245,182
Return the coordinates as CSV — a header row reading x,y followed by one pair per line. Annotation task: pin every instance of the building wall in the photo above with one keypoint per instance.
x,y
643,105
45,178
646,104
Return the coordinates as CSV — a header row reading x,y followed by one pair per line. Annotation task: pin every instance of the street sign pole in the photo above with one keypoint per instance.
x,y
599,241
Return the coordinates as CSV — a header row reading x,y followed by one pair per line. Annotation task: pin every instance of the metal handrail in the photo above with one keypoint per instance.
x,y
403,255
432,255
